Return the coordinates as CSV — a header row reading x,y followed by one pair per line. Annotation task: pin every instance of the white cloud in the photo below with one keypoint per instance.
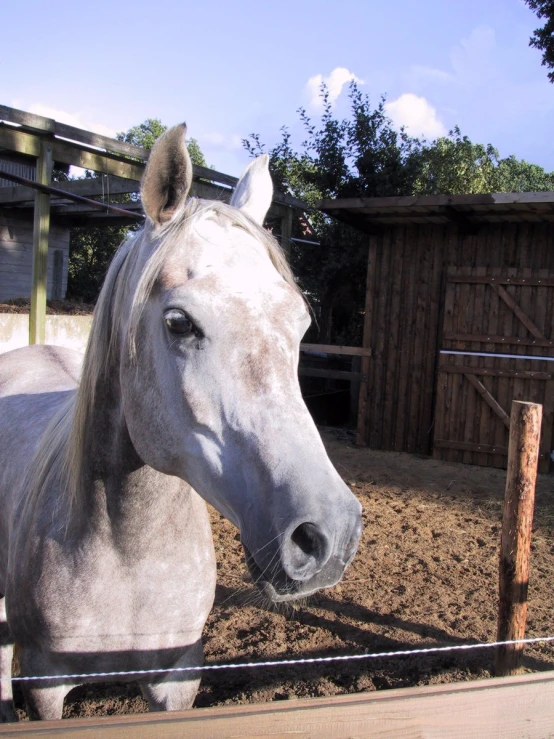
x,y
473,63
339,77
71,119
416,114
473,59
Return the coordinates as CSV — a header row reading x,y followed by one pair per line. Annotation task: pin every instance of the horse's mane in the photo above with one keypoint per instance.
x,y
59,459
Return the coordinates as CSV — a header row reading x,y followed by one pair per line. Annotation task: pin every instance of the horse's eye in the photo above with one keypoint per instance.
x,y
178,322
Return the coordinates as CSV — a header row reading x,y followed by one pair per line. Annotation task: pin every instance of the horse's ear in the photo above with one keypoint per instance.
x,y
254,191
168,176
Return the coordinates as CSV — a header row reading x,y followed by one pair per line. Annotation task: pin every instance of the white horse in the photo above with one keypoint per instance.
x,y
188,392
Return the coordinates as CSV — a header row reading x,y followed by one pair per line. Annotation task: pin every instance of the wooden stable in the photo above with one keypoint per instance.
x,y
459,321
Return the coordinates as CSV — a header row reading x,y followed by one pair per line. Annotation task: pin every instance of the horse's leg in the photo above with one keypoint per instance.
x,y
176,691
45,703
44,700
7,710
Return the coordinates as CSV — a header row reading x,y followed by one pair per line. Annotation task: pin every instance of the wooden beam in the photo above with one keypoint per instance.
x,y
467,446
49,190
328,373
517,520
361,426
355,351
106,186
499,708
71,153
359,221
107,162
40,124
426,201
508,340
544,281
524,374
459,219
41,230
487,397
523,317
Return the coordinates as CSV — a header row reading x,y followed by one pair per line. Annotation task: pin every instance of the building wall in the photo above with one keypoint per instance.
x,y
16,256
407,279
69,331
26,169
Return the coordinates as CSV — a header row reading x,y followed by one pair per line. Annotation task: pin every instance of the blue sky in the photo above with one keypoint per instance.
x,y
230,69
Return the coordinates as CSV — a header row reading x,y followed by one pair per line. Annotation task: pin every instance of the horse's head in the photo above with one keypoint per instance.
x,y
209,376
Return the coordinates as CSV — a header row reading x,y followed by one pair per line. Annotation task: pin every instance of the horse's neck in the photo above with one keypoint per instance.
x,y
118,490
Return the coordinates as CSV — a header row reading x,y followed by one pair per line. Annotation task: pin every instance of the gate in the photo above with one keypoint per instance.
x,y
497,346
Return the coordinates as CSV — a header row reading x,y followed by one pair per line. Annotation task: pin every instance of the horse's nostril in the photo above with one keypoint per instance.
x,y
305,552
308,539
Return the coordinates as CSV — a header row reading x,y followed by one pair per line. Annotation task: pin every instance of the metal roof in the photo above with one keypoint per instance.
x,y
467,212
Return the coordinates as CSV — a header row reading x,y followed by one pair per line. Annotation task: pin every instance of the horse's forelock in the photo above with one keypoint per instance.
x,y
177,231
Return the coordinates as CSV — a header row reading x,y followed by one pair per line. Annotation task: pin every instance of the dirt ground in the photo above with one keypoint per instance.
x,y
425,575
53,307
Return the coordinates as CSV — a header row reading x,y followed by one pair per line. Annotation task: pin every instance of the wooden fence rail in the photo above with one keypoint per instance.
x,y
507,708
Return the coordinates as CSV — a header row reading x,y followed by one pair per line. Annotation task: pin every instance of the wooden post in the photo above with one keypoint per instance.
x,y
519,502
41,229
362,428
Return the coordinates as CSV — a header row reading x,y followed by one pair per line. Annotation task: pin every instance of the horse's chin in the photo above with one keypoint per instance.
x,y
282,589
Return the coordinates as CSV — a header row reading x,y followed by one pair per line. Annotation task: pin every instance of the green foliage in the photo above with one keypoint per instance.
x,y
90,252
453,165
195,153
146,133
91,248
543,38
364,156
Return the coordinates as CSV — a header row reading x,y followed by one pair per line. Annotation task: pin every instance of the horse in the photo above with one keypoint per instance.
x,y
187,393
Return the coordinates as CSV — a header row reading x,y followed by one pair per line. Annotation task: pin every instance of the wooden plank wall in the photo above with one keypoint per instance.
x,y
408,276
16,256
474,394
501,708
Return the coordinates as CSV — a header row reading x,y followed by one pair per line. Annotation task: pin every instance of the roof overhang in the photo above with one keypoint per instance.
x,y
467,212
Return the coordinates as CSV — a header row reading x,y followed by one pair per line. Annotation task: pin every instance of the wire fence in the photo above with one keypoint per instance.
x,y
286,662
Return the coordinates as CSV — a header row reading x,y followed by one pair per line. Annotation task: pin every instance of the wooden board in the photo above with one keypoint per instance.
x,y
503,708
355,351
505,311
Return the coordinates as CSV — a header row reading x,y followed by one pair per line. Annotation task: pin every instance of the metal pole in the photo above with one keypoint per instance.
x,y
69,195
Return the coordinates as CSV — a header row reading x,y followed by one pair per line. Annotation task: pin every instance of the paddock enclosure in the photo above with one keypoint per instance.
x,y
459,321
425,575
472,275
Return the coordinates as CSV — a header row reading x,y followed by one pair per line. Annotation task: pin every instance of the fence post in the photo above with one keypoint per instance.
x,y
515,547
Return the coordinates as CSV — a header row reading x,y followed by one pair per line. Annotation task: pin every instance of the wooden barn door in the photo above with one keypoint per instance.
x,y
491,319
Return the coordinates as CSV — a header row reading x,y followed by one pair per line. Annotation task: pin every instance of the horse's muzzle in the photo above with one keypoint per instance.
x,y
306,562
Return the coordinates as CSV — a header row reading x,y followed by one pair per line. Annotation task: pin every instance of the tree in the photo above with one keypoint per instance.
x,y
146,133
355,157
365,156
454,165
543,38
91,248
